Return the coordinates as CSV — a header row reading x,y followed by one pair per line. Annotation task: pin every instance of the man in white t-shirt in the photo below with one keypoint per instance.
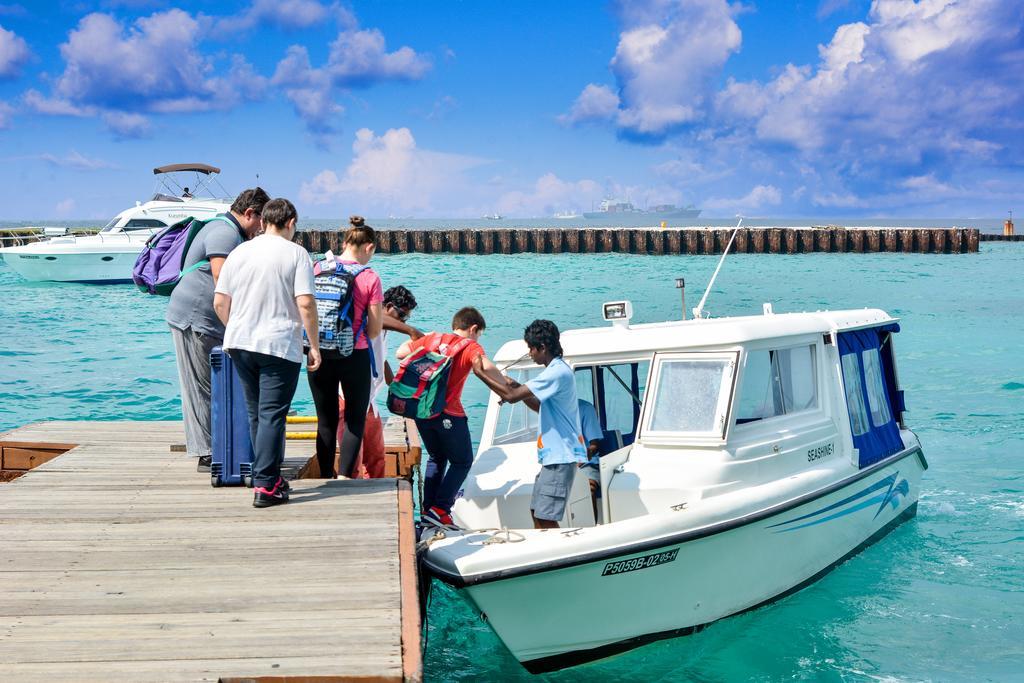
x,y
264,297
398,306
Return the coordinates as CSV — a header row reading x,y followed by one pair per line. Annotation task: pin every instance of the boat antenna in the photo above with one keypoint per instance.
x,y
699,311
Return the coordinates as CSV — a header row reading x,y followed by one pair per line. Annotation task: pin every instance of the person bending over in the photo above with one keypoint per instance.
x,y
446,437
560,446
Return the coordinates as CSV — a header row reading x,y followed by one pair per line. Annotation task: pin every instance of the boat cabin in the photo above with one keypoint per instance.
x,y
694,409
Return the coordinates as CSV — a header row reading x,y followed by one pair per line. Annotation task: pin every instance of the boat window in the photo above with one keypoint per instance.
x,y
760,393
777,382
623,394
516,422
691,396
877,399
795,370
110,226
854,394
144,223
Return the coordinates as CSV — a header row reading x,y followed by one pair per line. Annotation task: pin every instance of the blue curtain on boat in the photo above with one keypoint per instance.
x,y
877,440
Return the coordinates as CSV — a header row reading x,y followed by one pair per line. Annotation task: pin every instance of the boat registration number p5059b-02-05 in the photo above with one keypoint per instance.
x,y
644,562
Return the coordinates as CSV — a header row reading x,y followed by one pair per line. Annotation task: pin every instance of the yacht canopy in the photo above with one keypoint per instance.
x,y
199,168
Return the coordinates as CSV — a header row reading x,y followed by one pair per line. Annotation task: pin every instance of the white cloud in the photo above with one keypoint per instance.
x,y
286,14
14,53
391,174
127,125
760,197
548,195
668,55
76,161
356,58
595,103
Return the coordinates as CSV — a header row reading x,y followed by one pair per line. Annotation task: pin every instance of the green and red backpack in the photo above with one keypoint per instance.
x,y
421,383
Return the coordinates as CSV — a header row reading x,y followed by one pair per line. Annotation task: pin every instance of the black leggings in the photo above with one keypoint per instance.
x,y
353,374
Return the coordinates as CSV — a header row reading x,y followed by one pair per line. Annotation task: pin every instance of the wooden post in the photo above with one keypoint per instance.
x,y
590,241
656,242
334,242
621,236
906,240
855,240
605,242
923,240
485,242
436,241
789,235
889,239
955,240
824,240
519,241
504,240
973,237
452,241
805,240
774,241
555,242
572,240
673,242
873,238
400,242
384,241
708,241
757,238
939,241
418,241
742,243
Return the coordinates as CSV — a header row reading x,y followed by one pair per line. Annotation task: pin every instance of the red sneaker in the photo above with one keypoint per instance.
x,y
437,516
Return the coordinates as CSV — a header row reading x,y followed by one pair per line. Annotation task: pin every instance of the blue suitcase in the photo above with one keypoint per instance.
x,y
231,464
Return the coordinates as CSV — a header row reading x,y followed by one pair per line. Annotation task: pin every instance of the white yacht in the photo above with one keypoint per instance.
x,y
743,458
108,256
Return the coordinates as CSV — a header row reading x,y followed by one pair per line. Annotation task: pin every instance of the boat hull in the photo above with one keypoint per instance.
x,y
96,259
558,616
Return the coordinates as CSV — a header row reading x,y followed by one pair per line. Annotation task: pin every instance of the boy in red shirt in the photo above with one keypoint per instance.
x,y
446,436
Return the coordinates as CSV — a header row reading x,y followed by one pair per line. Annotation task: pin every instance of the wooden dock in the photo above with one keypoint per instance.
x,y
659,241
119,562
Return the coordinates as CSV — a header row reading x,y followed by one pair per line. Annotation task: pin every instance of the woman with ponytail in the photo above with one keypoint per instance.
x,y
351,373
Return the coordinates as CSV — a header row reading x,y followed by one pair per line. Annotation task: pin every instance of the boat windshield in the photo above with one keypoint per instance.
x,y
109,227
516,422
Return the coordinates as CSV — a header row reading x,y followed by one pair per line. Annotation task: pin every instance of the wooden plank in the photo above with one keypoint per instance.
x,y
412,663
122,563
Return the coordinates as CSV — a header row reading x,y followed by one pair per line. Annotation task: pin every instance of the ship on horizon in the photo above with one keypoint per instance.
x,y
611,208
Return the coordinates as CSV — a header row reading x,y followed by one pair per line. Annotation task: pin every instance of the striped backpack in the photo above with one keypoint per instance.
x,y
421,383
334,291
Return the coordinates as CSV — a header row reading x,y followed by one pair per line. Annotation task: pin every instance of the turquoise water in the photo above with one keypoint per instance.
x,y
941,598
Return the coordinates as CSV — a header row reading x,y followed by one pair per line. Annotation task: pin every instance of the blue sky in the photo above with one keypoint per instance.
x,y
429,108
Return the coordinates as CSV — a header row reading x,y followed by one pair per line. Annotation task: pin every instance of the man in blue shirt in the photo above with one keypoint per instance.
x,y
560,446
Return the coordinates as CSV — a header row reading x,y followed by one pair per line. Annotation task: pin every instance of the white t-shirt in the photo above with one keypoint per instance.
x,y
263,276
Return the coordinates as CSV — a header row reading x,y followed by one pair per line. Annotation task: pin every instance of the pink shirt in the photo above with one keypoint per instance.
x,y
368,291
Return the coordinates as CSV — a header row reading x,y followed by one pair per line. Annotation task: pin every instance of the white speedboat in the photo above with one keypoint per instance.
x,y
108,256
745,458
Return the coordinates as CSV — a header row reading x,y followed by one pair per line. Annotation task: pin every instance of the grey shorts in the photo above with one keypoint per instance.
x,y
551,490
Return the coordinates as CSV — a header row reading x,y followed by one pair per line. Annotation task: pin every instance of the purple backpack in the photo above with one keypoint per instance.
x,y
159,267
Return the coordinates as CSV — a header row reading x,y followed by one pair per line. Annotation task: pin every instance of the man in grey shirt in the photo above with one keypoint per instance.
x,y
195,327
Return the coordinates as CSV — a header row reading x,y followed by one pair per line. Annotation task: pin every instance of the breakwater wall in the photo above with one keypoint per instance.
x,y
658,241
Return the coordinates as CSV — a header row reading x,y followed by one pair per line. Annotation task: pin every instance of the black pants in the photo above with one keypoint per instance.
x,y
353,375
268,383
451,456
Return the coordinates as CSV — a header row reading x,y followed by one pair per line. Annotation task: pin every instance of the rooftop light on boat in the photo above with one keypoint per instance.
x,y
618,313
